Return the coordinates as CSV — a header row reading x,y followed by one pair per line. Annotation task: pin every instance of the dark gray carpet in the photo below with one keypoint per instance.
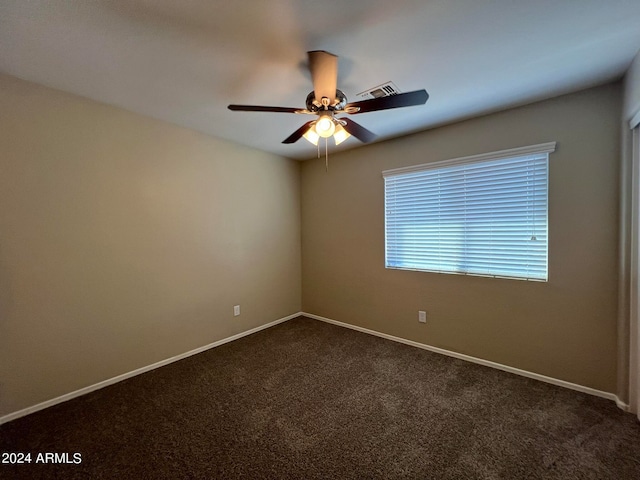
x,y
307,400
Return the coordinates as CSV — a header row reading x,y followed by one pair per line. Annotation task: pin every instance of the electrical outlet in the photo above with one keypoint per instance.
x,y
422,316
236,310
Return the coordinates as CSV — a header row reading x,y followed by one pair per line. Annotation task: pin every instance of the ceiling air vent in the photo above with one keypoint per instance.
x,y
384,90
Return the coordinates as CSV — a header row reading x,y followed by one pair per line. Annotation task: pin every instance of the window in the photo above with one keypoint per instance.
x,y
481,215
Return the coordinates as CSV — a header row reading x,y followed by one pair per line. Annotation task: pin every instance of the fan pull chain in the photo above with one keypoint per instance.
x,y
326,154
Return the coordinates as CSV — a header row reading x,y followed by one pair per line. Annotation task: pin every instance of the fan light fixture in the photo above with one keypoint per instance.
x,y
326,127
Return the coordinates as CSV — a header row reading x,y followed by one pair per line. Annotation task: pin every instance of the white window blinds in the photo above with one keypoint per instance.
x,y
482,215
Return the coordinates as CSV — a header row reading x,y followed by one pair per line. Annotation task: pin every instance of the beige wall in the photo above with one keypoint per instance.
x,y
565,328
125,241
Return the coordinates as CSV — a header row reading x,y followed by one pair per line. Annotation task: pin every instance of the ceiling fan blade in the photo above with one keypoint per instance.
x,y
358,131
297,135
324,74
408,99
259,108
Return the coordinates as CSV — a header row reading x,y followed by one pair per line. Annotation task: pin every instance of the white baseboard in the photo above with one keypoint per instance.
x,y
162,363
124,376
621,405
480,361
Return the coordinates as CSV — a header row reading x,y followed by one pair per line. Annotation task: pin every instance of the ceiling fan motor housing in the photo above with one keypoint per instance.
x,y
314,105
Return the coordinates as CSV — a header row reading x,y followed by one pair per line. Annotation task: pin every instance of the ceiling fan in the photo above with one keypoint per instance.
x,y
326,101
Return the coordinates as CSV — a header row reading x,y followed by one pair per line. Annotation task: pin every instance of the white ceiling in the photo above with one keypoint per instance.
x,y
185,61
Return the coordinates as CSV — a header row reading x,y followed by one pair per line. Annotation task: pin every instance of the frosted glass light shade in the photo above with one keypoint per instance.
x,y
340,134
311,136
325,126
